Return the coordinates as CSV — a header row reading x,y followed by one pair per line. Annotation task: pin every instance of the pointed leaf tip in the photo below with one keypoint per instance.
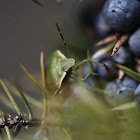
x,y
11,97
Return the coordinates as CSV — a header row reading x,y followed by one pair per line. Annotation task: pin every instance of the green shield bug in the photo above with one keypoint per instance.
x,y
57,69
59,66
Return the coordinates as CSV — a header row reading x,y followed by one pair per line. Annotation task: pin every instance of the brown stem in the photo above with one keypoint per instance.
x,y
108,40
120,42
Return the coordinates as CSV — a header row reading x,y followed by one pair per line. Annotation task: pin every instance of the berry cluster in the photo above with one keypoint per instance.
x,y
118,20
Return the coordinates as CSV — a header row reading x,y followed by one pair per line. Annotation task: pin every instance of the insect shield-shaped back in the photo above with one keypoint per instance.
x,y
57,69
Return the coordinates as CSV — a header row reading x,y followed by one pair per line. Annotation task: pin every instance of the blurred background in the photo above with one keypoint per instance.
x,y
26,28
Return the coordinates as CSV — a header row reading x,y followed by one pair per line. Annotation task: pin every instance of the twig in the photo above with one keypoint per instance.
x,y
20,121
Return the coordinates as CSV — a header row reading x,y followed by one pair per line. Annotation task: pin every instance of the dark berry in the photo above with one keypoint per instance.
x,y
119,92
134,43
122,15
102,73
123,56
111,89
129,82
124,95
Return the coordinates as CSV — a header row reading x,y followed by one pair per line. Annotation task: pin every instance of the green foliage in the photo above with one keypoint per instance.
x,y
77,111
126,106
11,98
71,110
6,127
24,100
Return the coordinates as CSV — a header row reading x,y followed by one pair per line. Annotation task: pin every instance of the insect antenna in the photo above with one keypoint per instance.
x,y
63,39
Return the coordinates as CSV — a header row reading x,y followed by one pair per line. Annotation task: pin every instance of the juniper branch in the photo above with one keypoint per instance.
x,y
18,120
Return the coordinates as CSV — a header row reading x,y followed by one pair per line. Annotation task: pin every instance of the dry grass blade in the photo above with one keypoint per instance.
x,y
121,74
11,97
43,69
107,40
120,42
43,82
103,51
33,79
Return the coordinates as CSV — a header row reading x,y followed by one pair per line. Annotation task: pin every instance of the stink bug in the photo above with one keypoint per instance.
x,y
59,66
57,69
